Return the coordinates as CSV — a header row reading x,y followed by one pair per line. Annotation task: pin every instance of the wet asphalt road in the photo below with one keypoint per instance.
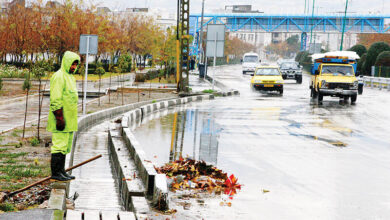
x,y
327,161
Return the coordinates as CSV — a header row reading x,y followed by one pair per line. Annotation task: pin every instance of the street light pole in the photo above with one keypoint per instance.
x,y
178,78
201,34
344,20
312,25
304,11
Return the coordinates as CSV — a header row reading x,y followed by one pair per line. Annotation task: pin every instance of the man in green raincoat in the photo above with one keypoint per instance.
x,y
62,121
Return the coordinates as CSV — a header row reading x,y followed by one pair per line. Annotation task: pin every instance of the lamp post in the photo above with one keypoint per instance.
x,y
312,25
178,78
344,20
304,11
201,34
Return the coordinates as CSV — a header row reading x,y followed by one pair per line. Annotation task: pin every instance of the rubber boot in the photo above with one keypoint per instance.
x,y
63,159
56,166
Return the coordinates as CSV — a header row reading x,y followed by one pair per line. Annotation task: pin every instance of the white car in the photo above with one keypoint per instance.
x,y
249,62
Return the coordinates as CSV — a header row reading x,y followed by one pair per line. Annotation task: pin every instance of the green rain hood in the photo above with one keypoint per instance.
x,y
63,94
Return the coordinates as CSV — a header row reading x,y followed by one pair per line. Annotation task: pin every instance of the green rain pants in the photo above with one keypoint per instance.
x,y
62,142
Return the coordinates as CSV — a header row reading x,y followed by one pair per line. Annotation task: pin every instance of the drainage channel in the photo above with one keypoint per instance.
x,y
98,194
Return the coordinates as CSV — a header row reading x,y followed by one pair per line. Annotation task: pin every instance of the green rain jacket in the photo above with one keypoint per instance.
x,y
63,94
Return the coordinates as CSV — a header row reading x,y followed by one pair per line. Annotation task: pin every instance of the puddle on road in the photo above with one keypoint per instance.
x,y
194,131
329,141
189,133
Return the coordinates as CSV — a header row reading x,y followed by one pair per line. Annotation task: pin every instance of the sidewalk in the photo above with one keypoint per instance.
x,y
12,113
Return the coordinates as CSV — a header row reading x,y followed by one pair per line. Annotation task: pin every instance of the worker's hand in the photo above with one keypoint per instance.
x,y
60,122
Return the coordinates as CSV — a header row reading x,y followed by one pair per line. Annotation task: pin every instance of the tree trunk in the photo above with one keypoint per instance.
x,y
100,79
39,106
109,90
25,113
82,92
123,85
118,84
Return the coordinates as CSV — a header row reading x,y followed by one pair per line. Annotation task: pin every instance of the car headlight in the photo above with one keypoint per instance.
x,y
324,84
279,81
355,84
257,81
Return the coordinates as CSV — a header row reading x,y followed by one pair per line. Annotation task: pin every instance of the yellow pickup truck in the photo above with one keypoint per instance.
x,y
334,76
267,78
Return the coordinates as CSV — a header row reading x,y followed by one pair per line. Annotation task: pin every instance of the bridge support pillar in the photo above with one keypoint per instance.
x,y
303,41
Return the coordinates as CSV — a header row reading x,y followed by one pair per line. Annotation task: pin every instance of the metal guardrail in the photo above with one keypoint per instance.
x,y
377,82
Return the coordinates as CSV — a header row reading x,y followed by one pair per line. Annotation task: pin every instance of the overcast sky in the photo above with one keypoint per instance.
x,y
268,6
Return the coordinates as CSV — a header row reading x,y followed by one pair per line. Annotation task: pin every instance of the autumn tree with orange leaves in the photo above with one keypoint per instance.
x,y
368,39
39,31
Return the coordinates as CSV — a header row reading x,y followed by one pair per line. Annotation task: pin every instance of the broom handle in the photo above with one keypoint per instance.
x,y
47,178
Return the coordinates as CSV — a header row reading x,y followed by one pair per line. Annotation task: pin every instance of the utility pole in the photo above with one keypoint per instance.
x,y
178,78
344,21
201,35
312,24
304,11
185,44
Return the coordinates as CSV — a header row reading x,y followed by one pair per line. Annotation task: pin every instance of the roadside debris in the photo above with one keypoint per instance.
x,y
197,175
23,200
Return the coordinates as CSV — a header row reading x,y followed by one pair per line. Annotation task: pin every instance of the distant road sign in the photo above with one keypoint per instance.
x,y
93,44
215,34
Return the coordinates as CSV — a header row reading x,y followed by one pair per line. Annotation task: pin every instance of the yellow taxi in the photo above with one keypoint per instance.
x,y
267,78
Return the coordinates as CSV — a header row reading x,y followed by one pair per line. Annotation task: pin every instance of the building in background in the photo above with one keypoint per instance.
x,y
103,10
53,4
14,3
261,39
3,5
240,9
162,18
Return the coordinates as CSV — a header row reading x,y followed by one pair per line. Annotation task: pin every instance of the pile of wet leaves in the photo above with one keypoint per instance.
x,y
30,198
198,175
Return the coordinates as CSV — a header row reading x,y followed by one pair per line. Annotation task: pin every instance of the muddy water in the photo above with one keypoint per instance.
x,y
296,159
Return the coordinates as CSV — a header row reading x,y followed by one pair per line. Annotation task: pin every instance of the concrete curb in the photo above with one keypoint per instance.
x,y
57,199
223,86
83,123
145,169
155,184
125,170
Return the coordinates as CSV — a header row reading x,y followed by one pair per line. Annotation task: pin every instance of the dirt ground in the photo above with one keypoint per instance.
x,y
26,160
14,89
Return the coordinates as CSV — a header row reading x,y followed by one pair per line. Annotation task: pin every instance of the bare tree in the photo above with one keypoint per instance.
x,y
26,87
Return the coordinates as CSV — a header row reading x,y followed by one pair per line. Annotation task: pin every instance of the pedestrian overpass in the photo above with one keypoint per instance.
x,y
303,24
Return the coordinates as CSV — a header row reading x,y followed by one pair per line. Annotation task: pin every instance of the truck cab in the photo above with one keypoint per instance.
x,y
249,62
334,75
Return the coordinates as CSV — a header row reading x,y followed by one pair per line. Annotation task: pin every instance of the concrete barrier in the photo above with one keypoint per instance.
x,y
223,87
155,184
125,170
377,82
57,199
144,167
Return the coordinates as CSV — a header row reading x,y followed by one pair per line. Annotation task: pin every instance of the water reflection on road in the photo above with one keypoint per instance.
x,y
187,131
325,161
